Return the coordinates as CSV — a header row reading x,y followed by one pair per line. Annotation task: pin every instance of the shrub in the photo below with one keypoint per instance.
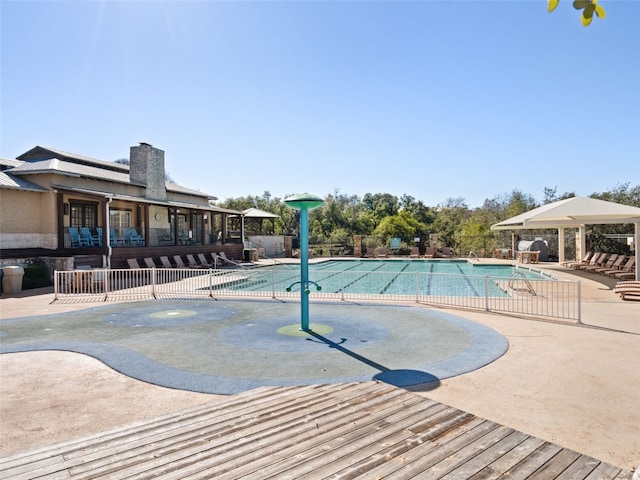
x,y
36,275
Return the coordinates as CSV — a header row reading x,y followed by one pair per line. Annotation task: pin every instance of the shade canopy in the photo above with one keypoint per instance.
x,y
257,213
572,212
575,212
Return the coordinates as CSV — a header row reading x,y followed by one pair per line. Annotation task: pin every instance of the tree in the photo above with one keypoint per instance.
x,y
588,7
551,195
403,225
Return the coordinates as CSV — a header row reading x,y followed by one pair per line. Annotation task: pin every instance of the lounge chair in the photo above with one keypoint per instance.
x,y
605,266
165,262
179,262
133,263
382,253
446,252
615,266
371,252
227,261
627,288
415,252
191,261
584,261
430,252
598,259
627,269
203,261
148,261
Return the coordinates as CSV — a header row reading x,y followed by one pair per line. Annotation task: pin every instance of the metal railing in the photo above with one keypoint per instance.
x,y
527,296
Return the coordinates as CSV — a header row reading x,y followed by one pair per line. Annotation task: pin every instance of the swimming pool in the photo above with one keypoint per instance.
x,y
391,277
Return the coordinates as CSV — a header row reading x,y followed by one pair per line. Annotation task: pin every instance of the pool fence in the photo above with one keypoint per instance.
x,y
549,298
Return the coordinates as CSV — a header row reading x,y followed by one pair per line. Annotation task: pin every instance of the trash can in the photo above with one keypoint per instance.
x,y
246,255
12,279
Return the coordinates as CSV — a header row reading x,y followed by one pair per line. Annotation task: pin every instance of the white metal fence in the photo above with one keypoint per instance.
x,y
517,295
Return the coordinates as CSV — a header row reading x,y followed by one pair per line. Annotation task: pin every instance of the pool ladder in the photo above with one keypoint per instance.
x,y
473,254
528,286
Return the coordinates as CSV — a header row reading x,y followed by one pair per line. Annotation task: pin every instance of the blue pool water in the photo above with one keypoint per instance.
x,y
389,277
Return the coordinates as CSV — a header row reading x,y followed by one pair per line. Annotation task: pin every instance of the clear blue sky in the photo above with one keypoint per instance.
x,y
434,99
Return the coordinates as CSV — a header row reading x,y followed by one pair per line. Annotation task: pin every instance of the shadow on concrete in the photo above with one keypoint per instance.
x,y
398,378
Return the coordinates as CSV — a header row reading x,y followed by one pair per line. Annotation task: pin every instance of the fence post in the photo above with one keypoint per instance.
x,y
55,285
107,271
273,283
486,293
417,287
579,302
210,282
153,282
342,286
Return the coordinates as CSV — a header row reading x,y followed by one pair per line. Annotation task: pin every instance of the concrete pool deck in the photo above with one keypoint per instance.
x,y
573,385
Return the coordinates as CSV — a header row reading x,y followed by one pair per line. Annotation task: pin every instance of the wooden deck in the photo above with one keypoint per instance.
x,y
353,430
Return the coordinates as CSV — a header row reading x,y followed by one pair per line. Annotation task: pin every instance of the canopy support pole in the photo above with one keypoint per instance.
x,y
635,247
561,245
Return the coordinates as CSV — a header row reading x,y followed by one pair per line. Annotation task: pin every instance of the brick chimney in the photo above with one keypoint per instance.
x,y
146,167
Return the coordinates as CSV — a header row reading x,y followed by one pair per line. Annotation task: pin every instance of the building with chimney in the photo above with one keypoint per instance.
x,y
69,208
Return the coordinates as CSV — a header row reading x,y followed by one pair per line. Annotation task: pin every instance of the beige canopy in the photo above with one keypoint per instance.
x,y
575,212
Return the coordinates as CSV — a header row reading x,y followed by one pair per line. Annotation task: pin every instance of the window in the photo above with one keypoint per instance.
x,y
120,219
84,214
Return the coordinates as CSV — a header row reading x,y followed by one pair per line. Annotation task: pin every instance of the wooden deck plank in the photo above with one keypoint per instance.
x,y
119,438
487,455
608,472
352,430
363,421
132,445
424,455
556,465
509,460
444,460
360,443
581,468
235,429
524,469
448,424
96,440
244,436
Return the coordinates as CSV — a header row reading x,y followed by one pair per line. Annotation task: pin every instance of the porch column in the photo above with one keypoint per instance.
x,y
242,230
583,243
175,226
561,244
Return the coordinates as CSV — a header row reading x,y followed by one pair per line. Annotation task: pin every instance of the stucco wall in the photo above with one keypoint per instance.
x,y
272,244
28,219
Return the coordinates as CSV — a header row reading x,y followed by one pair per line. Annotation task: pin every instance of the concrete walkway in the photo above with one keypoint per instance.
x,y
576,386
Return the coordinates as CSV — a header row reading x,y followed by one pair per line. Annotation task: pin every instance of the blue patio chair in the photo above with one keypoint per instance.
x,y
77,240
91,239
132,237
114,239
98,238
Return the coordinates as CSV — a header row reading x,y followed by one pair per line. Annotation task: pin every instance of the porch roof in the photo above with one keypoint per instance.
x,y
131,198
17,183
67,168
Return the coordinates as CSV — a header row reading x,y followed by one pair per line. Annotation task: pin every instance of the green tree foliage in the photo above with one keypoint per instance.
x,y
600,235
380,205
403,225
457,225
449,217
